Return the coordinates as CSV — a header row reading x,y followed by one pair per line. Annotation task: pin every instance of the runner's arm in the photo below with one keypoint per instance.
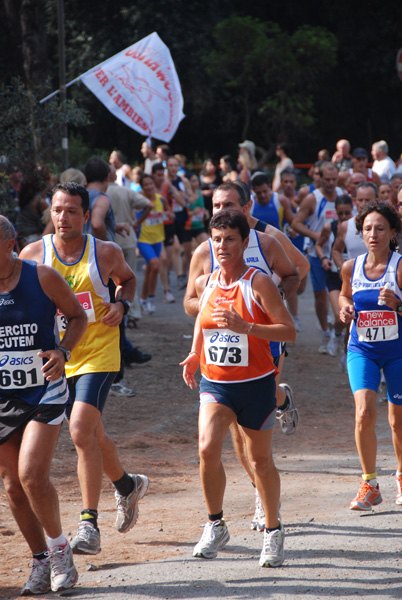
x,y
200,262
280,264
339,244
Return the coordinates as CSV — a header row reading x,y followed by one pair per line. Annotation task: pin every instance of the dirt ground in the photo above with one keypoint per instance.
x,y
156,434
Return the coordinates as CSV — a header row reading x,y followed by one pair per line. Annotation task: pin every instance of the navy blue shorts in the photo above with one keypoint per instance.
x,y
91,388
253,402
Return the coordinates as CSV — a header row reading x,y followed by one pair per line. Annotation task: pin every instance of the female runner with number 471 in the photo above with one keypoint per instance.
x,y
371,299
241,311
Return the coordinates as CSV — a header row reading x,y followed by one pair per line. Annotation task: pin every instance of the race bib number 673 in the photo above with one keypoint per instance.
x,y
225,348
377,326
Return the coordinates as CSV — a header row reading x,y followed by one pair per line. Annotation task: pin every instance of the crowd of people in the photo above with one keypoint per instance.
x,y
242,248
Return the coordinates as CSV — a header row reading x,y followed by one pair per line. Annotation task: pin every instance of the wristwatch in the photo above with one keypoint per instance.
x,y
126,305
67,353
399,308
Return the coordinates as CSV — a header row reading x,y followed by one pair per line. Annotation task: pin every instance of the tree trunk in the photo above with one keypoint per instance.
x,y
34,52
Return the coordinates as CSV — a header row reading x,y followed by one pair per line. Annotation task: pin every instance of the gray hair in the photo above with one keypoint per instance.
x,y
381,145
368,184
7,231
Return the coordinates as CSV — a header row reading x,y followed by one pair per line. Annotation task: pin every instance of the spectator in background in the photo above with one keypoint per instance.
x,y
136,175
73,176
342,158
383,165
284,163
209,181
323,154
162,153
247,161
228,168
33,207
148,152
123,171
183,170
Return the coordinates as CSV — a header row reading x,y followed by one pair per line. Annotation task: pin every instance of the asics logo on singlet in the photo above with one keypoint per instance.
x,y
4,302
221,337
22,360
397,396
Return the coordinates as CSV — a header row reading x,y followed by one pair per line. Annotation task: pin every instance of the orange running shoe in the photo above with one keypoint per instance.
x,y
398,490
367,497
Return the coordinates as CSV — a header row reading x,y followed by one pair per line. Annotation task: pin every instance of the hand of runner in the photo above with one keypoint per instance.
x,y
347,313
114,314
230,319
54,368
190,365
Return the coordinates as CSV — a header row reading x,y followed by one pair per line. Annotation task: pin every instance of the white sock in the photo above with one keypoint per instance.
x,y
54,542
373,482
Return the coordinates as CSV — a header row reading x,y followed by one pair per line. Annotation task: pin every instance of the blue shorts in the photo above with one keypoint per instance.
x,y
150,251
253,402
364,374
318,274
91,388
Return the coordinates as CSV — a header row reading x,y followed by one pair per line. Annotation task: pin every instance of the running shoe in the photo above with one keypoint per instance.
x,y
297,323
87,540
63,574
169,298
39,579
127,506
273,553
214,538
258,521
182,282
144,306
289,417
367,497
334,343
120,389
398,490
151,305
325,337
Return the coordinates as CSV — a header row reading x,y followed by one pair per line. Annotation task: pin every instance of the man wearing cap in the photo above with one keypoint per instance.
x,y
383,165
359,160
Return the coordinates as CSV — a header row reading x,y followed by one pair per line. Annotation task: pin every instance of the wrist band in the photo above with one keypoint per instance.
x,y
250,328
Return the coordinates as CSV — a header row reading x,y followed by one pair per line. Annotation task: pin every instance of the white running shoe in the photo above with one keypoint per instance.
x,y
325,337
127,506
258,521
214,538
273,553
151,304
39,579
63,574
87,540
334,343
289,417
144,306
169,298
297,323
120,389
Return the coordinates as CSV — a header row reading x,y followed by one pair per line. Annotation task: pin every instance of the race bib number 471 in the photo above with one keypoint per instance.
x,y
377,326
225,348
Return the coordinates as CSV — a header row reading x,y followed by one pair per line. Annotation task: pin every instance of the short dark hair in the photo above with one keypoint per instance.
x,y
165,148
343,199
384,209
368,184
259,179
287,172
327,164
145,176
237,187
230,218
96,169
230,161
73,189
157,167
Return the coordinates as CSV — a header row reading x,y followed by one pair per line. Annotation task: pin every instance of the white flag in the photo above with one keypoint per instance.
x,y
140,87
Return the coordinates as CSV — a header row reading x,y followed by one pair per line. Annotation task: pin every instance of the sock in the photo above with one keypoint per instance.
x,y
124,485
269,529
284,405
370,478
216,517
43,556
373,482
90,515
54,542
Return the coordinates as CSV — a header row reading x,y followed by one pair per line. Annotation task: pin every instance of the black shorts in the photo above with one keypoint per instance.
x,y
180,223
190,234
15,414
169,235
334,282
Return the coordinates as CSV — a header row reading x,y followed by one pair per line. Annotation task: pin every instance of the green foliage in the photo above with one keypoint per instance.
x,y
273,73
30,132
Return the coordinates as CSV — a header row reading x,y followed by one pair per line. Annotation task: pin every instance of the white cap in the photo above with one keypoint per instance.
x,y
250,146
